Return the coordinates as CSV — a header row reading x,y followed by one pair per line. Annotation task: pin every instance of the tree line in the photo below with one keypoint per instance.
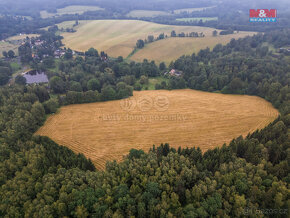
x,y
243,66
248,177
141,43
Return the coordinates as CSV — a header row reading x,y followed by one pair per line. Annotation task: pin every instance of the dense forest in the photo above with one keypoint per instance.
x,y
243,66
248,177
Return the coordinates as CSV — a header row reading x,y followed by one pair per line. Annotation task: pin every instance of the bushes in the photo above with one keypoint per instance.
x,y
21,80
123,90
94,84
226,32
5,74
57,85
75,86
137,86
108,93
51,106
73,97
134,153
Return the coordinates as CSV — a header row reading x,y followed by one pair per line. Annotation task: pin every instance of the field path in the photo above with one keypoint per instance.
x,y
108,130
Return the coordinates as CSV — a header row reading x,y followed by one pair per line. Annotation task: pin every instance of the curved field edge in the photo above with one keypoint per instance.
x,y
72,9
105,131
119,37
146,13
170,49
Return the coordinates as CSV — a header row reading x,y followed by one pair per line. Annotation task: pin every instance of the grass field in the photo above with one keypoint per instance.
x,y
22,36
15,66
270,46
170,49
108,130
197,19
70,24
118,38
152,82
190,10
6,46
146,13
67,24
73,9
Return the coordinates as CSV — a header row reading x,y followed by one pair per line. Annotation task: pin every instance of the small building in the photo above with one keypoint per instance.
x,y
174,72
38,42
104,58
285,50
59,53
34,76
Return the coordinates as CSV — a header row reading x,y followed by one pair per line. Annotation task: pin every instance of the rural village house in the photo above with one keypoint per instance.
x,y
174,72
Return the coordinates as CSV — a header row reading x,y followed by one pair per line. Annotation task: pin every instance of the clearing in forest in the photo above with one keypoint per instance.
x,y
105,131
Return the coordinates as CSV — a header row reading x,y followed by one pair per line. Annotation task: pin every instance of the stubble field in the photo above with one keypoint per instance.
x,y
118,38
72,9
106,131
22,36
146,13
170,49
190,10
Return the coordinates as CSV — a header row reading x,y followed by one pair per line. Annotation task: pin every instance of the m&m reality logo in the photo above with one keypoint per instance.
x,y
263,15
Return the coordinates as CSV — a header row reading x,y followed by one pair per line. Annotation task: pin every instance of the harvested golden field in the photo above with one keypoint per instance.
x,y
146,13
119,37
67,24
190,10
22,36
190,19
108,130
170,49
72,9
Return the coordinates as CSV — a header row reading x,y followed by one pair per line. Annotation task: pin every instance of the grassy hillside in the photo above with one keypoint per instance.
x,y
146,13
204,19
118,38
73,9
22,36
6,46
170,49
190,10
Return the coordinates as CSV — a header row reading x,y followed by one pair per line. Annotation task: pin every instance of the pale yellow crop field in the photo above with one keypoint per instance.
x,y
146,13
170,49
73,9
105,131
190,10
22,36
118,37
